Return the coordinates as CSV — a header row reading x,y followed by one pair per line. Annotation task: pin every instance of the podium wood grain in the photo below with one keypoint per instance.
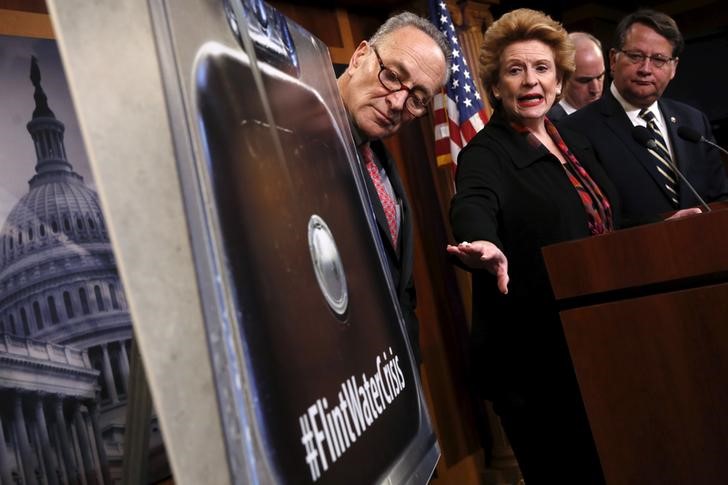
x,y
646,320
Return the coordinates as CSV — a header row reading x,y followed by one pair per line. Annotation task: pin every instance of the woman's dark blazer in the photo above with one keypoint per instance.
x,y
518,196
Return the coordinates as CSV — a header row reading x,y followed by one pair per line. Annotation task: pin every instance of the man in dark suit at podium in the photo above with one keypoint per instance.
x,y
643,61
389,82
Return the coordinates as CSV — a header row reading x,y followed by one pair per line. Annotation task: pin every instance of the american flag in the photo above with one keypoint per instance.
x,y
459,111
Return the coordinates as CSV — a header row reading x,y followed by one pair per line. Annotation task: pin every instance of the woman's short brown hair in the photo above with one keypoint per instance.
x,y
521,25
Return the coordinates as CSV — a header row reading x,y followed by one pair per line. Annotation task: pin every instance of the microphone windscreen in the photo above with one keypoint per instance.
x,y
689,134
643,136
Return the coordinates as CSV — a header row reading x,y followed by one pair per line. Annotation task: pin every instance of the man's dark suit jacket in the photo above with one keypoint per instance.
x,y
556,113
400,258
633,169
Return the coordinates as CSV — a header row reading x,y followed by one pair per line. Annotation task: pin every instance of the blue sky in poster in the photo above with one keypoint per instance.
x,y
17,155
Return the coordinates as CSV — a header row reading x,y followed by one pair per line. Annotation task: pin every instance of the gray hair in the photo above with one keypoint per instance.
x,y
408,19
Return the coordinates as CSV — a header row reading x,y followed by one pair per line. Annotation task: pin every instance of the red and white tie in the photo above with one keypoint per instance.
x,y
390,207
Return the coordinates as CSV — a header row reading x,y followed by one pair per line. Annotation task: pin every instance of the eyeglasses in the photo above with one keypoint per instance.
x,y
588,79
637,57
415,103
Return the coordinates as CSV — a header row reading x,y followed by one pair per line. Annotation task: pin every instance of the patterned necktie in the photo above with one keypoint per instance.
x,y
390,207
662,154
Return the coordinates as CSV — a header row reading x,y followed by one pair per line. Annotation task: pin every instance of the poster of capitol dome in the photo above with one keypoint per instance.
x,y
65,326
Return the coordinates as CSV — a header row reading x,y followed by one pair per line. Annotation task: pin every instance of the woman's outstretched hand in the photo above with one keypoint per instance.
x,y
484,255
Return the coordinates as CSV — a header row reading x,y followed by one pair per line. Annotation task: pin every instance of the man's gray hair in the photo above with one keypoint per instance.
x,y
408,19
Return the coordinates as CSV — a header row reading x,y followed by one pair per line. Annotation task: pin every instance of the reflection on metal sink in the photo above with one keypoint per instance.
x,y
275,161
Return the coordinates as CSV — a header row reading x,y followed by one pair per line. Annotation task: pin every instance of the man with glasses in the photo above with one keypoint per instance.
x,y
389,82
643,61
587,82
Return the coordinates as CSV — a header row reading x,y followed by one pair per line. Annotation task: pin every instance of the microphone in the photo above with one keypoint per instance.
x,y
687,133
643,136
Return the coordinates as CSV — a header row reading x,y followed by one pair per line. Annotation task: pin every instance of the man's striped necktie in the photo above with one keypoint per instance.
x,y
662,154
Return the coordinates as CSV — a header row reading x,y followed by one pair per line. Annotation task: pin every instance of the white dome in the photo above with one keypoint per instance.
x,y
59,209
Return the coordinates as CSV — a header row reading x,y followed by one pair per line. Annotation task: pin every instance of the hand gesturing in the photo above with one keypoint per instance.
x,y
484,255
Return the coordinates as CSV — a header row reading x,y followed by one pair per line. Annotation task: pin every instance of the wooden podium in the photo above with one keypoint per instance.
x,y
645,313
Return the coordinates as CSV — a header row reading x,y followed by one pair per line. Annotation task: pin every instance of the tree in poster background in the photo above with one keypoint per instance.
x,y
65,328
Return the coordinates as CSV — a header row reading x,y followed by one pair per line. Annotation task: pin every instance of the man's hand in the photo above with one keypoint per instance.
x,y
684,213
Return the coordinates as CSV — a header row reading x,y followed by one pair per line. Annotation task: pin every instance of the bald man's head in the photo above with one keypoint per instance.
x,y
587,83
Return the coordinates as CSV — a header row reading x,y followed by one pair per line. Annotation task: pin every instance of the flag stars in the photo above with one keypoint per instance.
x,y
461,105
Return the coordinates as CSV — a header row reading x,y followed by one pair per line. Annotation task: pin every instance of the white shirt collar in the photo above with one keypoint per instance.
x,y
567,107
633,112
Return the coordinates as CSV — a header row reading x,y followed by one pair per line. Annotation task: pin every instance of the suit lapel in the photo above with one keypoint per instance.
x,y
680,148
556,113
618,121
402,255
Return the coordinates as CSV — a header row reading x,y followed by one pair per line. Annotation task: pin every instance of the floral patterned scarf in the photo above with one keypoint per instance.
x,y
596,205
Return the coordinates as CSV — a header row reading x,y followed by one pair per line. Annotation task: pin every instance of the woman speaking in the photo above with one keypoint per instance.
x,y
522,184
